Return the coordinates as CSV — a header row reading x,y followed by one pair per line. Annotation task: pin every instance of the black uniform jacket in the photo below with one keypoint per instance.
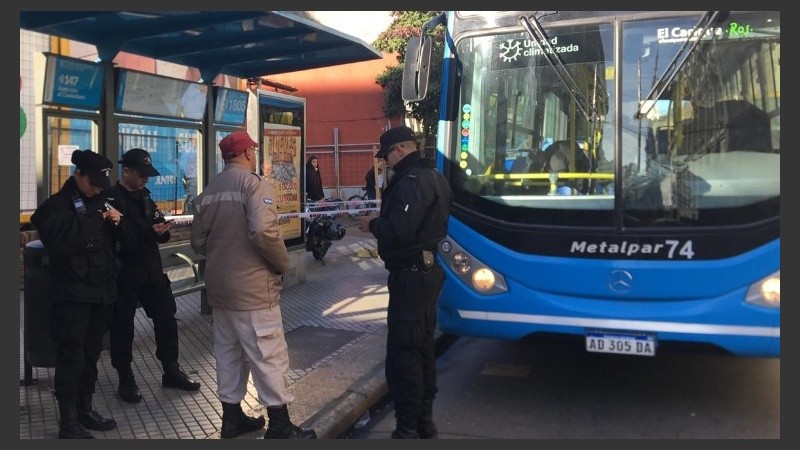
x,y
80,246
141,260
415,207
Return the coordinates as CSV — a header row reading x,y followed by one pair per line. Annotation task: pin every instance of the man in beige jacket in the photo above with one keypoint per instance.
x,y
236,227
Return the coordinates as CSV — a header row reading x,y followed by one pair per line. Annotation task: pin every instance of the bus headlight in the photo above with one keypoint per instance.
x,y
483,279
766,292
471,271
461,262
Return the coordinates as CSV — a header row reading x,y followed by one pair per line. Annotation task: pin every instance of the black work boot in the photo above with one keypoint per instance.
x,y
280,427
404,433
235,422
174,377
406,427
90,418
128,390
68,425
426,428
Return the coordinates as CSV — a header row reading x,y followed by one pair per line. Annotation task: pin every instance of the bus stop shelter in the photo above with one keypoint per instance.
x,y
244,44
247,45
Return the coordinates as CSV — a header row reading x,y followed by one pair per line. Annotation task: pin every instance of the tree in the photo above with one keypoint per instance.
x,y
404,26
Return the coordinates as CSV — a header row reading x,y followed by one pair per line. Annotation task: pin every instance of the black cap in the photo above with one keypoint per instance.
x,y
139,160
96,167
394,136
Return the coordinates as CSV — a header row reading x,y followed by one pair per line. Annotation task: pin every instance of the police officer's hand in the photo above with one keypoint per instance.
x,y
162,227
363,222
111,214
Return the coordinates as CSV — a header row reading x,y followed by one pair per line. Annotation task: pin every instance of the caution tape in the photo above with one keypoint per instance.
x,y
180,220
335,212
342,202
187,219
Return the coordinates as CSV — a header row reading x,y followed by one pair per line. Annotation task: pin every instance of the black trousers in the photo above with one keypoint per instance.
x,y
410,359
159,305
77,330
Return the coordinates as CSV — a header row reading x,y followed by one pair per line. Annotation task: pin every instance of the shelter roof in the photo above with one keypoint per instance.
x,y
244,44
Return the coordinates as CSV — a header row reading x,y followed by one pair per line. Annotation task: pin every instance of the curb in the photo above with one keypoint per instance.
x,y
339,416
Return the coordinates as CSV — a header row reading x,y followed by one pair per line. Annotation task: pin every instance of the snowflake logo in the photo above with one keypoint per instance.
x,y
509,50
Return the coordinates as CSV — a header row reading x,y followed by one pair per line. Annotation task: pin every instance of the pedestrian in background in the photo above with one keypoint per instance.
x,y
79,231
188,164
236,228
314,191
142,280
415,206
369,186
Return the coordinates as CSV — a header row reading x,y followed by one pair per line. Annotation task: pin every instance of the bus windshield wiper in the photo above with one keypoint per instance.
x,y
709,18
535,30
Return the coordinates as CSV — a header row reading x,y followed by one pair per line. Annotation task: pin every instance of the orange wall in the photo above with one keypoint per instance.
x,y
135,62
344,97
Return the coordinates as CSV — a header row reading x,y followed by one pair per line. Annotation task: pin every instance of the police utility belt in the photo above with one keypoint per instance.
x,y
424,263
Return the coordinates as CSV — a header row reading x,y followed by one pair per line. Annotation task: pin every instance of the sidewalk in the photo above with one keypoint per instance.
x,y
335,326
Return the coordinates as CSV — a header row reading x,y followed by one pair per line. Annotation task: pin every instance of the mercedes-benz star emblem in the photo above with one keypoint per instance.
x,y
620,281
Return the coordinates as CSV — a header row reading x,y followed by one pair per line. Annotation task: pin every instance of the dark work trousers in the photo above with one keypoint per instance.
x,y
159,305
410,359
77,330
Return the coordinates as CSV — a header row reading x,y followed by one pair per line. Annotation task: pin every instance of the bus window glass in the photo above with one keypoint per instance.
x,y
710,144
523,141
540,144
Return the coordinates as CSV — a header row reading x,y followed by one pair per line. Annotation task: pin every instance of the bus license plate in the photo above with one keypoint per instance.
x,y
620,343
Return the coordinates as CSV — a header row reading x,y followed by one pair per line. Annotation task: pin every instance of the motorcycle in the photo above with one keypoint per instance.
x,y
322,229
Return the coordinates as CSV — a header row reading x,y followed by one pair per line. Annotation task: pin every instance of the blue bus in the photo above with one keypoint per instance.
x,y
616,176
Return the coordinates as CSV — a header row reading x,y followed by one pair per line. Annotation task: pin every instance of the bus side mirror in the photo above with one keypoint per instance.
x,y
417,68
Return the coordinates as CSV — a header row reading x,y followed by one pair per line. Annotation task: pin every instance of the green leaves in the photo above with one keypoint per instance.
x,y
405,25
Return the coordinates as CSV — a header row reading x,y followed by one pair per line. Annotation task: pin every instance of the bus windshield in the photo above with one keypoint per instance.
x,y
553,130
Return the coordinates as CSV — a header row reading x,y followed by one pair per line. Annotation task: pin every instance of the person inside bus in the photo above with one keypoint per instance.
x,y
556,158
497,166
525,154
491,185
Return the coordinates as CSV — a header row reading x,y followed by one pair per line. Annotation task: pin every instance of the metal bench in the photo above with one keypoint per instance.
x,y
174,258
177,256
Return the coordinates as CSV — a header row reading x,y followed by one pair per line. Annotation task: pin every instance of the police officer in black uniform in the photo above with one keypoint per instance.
x,y
142,279
79,231
413,219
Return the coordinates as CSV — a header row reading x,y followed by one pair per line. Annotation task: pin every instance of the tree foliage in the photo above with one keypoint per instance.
x,y
404,26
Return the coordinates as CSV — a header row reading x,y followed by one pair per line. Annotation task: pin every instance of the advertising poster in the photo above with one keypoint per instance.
x,y
282,147
166,146
142,93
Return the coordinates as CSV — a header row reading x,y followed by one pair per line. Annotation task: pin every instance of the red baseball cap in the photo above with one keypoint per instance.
x,y
235,144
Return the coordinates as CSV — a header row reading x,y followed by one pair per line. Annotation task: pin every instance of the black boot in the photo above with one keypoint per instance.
x,y
426,428
174,377
404,433
280,427
406,427
68,425
90,418
235,422
128,390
